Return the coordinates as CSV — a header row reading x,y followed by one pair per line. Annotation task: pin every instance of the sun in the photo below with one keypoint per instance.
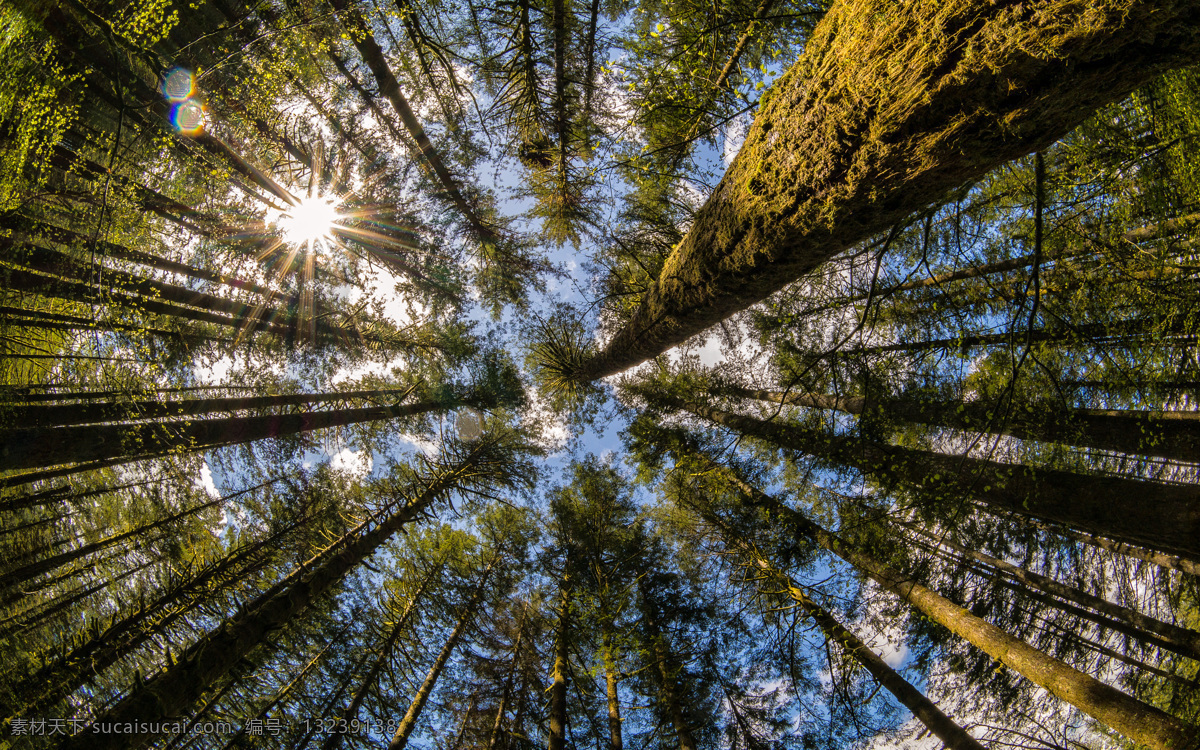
x,y
309,221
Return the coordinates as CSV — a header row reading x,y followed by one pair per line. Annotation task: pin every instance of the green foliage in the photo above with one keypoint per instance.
x,y
36,109
145,270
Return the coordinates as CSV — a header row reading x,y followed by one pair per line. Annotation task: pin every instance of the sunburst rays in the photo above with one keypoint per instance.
x,y
316,219
322,223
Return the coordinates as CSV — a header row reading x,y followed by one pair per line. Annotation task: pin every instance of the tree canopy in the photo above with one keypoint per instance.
x,y
507,374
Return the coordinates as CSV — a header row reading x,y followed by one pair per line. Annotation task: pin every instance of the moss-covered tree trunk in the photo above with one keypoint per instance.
x,y
891,106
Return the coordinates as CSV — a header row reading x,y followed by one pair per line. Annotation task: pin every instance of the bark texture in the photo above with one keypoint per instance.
x,y
891,106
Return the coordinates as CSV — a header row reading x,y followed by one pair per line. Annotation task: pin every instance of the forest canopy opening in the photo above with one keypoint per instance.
x,y
432,374
309,222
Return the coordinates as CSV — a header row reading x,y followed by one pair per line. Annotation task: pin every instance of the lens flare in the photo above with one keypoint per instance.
x,y
178,85
310,221
469,424
188,117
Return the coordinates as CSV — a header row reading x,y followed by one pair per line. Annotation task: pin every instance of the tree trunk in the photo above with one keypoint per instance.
x,y
78,291
1162,516
589,73
206,225
169,692
667,680
1131,717
24,395
303,742
560,673
372,55
494,736
61,678
41,320
239,736
16,480
125,442
334,739
60,415
562,120
46,564
1170,227
27,619
63,493
1172,435
926,711
1123,619
890,107
1171,562
732,63
31,228
1105,651
1144,330
409,722
66,273
615,741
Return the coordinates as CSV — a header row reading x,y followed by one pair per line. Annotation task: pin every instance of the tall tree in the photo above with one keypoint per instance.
x,y
1087,502
487,463
1127,715
819,171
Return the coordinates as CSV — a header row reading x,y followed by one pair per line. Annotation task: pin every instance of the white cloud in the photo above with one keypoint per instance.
x,y
885,643
427,447
894,656
554,432
357,464
214,372
206,481
711,354
734,136
359,371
